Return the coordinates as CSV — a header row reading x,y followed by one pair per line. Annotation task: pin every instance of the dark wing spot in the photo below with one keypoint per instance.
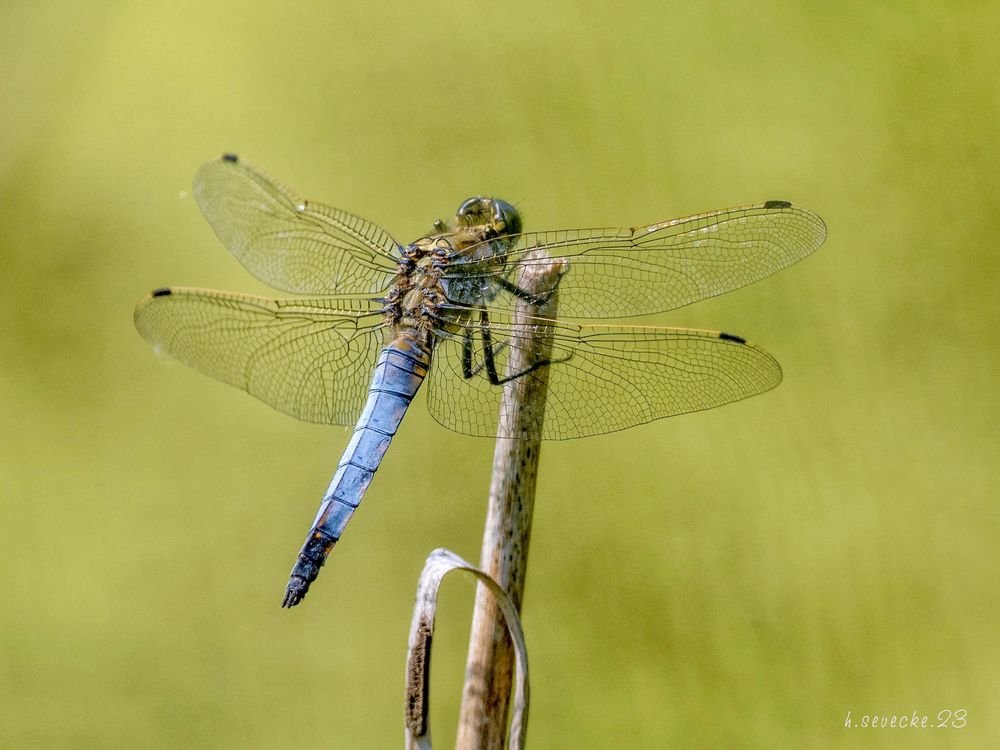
x,y
161,292
732,337
778,204
230,157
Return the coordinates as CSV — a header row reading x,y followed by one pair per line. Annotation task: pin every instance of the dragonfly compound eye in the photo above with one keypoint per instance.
x,y
507,216
474,211
499,214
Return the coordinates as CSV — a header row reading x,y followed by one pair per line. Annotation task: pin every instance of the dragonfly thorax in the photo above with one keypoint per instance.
x,y
442,276
483,232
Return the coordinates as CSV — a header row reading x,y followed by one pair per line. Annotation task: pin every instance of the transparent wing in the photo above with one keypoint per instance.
x,y
310,358
601,378
288,242
616,273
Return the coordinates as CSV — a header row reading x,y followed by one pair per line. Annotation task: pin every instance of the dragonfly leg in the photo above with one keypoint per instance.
x,y
489,349
535,299
468,370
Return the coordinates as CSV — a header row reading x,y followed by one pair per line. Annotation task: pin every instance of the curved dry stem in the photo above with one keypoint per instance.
x,y
418,656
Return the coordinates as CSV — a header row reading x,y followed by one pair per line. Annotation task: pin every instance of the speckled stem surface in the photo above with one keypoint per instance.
x,y
485,697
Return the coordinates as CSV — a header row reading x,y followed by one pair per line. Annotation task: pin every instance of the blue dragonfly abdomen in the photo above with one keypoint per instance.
x,y
401,368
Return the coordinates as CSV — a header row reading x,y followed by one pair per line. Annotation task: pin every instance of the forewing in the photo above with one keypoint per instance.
x,y
616,273
310,358
602,378
288,242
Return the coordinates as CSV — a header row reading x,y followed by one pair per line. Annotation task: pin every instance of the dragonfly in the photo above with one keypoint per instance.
x,y
372,319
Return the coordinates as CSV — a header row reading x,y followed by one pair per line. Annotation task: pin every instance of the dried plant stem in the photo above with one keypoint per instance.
x,y
485,697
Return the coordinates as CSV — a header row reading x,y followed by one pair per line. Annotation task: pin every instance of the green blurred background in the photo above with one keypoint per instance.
x,y
737,578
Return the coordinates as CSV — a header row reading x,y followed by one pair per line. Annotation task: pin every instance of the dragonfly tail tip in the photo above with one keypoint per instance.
x,y
295,592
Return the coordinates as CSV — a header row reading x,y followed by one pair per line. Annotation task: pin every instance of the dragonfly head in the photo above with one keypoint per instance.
x,y
498,214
